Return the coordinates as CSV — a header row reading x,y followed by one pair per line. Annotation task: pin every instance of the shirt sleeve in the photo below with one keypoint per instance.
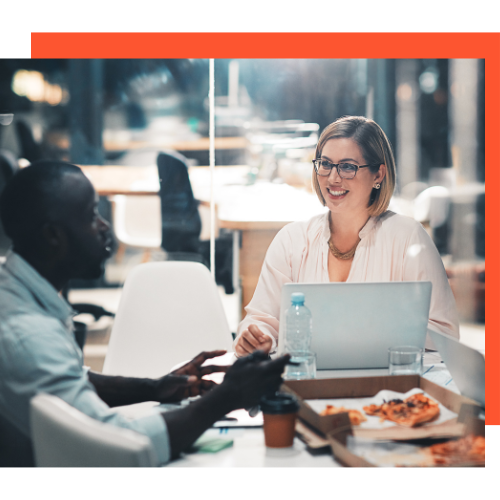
x,y
264,308
422,262
46,360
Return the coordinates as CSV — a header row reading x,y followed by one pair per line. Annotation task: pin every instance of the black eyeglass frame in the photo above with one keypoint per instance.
x,y
337,166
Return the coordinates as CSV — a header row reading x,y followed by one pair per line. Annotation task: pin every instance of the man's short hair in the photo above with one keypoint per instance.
x,y
32,198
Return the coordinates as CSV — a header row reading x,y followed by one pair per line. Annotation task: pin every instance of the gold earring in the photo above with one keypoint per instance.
x,y
377,186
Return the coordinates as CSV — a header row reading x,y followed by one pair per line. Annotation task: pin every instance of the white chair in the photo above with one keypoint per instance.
x,y
137,223
65,437
168,313
432,205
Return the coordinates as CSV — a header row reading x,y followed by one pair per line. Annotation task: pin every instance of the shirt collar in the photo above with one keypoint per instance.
x,y
43,292
365,230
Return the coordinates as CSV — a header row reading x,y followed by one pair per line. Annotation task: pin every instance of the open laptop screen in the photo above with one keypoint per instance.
x,y
354,324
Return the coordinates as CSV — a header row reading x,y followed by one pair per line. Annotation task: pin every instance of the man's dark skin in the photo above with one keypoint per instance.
x,y
74,243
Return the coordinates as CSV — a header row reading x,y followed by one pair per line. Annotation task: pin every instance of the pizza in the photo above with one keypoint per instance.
x,y
468,449
355,416
414,410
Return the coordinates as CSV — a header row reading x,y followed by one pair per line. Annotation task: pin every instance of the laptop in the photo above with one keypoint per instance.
x,y
354,324
466,365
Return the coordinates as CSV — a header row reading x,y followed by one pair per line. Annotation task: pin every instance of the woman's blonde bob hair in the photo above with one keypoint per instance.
x,y
376,149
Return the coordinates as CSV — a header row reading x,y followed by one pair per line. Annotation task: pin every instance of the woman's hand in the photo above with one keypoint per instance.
x,y
251,340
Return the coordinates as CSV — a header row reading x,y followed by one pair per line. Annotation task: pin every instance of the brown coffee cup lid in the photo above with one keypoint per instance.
x,y
279,403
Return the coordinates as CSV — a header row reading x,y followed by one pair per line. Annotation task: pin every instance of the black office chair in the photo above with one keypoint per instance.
x,y
181,222
8,167
30,149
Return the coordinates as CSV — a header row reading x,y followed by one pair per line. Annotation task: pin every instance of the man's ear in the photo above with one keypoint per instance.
x,y
55,239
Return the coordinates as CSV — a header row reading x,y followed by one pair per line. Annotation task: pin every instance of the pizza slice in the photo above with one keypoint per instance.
x,y
414,410
355,416
468,449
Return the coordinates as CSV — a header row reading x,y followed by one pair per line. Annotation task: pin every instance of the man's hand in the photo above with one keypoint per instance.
x,y
187,380
252,377
245,383
251,340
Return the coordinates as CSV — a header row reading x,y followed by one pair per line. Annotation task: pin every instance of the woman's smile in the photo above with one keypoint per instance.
x,y
337,193
338,197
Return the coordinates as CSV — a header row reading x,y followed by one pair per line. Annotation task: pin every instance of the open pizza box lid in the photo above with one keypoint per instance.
x,y
313,428
338,441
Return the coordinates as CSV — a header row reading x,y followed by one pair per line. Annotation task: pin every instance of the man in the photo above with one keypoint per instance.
x,y
49,210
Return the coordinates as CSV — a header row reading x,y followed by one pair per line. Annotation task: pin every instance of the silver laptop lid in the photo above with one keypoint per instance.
x,y
354,324
466,365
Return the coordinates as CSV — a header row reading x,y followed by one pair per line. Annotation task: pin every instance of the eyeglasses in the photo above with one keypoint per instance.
x,y
345,170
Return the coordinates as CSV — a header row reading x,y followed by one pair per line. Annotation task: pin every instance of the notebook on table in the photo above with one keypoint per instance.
x,y
354,324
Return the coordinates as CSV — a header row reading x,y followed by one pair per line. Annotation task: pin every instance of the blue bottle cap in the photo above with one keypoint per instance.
x,y
298,298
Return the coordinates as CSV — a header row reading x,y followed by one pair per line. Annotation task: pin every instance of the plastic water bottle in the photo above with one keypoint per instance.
x,y
298,325
298,335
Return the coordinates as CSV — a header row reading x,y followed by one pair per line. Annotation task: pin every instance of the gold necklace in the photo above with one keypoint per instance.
x,y
335,251
343,255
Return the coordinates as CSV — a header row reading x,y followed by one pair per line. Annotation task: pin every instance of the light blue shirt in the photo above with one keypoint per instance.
x,y
38,353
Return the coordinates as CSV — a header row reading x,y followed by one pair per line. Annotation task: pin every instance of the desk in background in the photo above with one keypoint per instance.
x,y
61,141
254,212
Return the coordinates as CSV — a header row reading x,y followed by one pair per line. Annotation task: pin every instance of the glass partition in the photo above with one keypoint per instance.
x,y
268,115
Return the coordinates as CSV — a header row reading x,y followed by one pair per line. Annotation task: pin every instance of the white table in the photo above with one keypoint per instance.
x,y
249,449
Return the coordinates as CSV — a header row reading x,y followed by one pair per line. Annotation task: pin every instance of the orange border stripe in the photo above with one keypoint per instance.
x,y
52,45
260,45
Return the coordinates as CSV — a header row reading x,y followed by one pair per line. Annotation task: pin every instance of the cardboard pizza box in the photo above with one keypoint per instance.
x,y
338,439
362,387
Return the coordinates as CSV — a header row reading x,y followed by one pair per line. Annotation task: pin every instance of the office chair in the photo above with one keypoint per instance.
x,y
181,222
8,164
65,437
30,149
8,167
168,313
137,223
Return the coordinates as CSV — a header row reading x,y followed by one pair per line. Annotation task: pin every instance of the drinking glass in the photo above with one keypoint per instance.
x,y
304,367
405,360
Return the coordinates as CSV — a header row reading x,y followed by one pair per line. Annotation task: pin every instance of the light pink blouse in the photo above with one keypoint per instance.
x,y
392,248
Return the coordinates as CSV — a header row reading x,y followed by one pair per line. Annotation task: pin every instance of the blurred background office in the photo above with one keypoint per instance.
x,y
268,117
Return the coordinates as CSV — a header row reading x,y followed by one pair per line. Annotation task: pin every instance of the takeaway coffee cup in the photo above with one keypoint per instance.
x,y
280,412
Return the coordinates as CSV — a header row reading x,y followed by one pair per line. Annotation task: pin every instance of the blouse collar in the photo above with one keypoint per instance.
x,y
370,225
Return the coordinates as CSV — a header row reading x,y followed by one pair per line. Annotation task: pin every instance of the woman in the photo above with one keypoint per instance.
x,y
357,240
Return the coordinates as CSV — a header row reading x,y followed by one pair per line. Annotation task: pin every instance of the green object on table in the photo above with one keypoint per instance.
x,y
208,444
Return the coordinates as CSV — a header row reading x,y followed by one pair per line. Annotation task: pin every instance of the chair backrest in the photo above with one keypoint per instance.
x,y
181,223
8,167
30,149
65,437
168,313
8,164
137,220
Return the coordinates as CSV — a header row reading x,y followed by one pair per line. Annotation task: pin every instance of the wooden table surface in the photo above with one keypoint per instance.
x,y
262,205
61,141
